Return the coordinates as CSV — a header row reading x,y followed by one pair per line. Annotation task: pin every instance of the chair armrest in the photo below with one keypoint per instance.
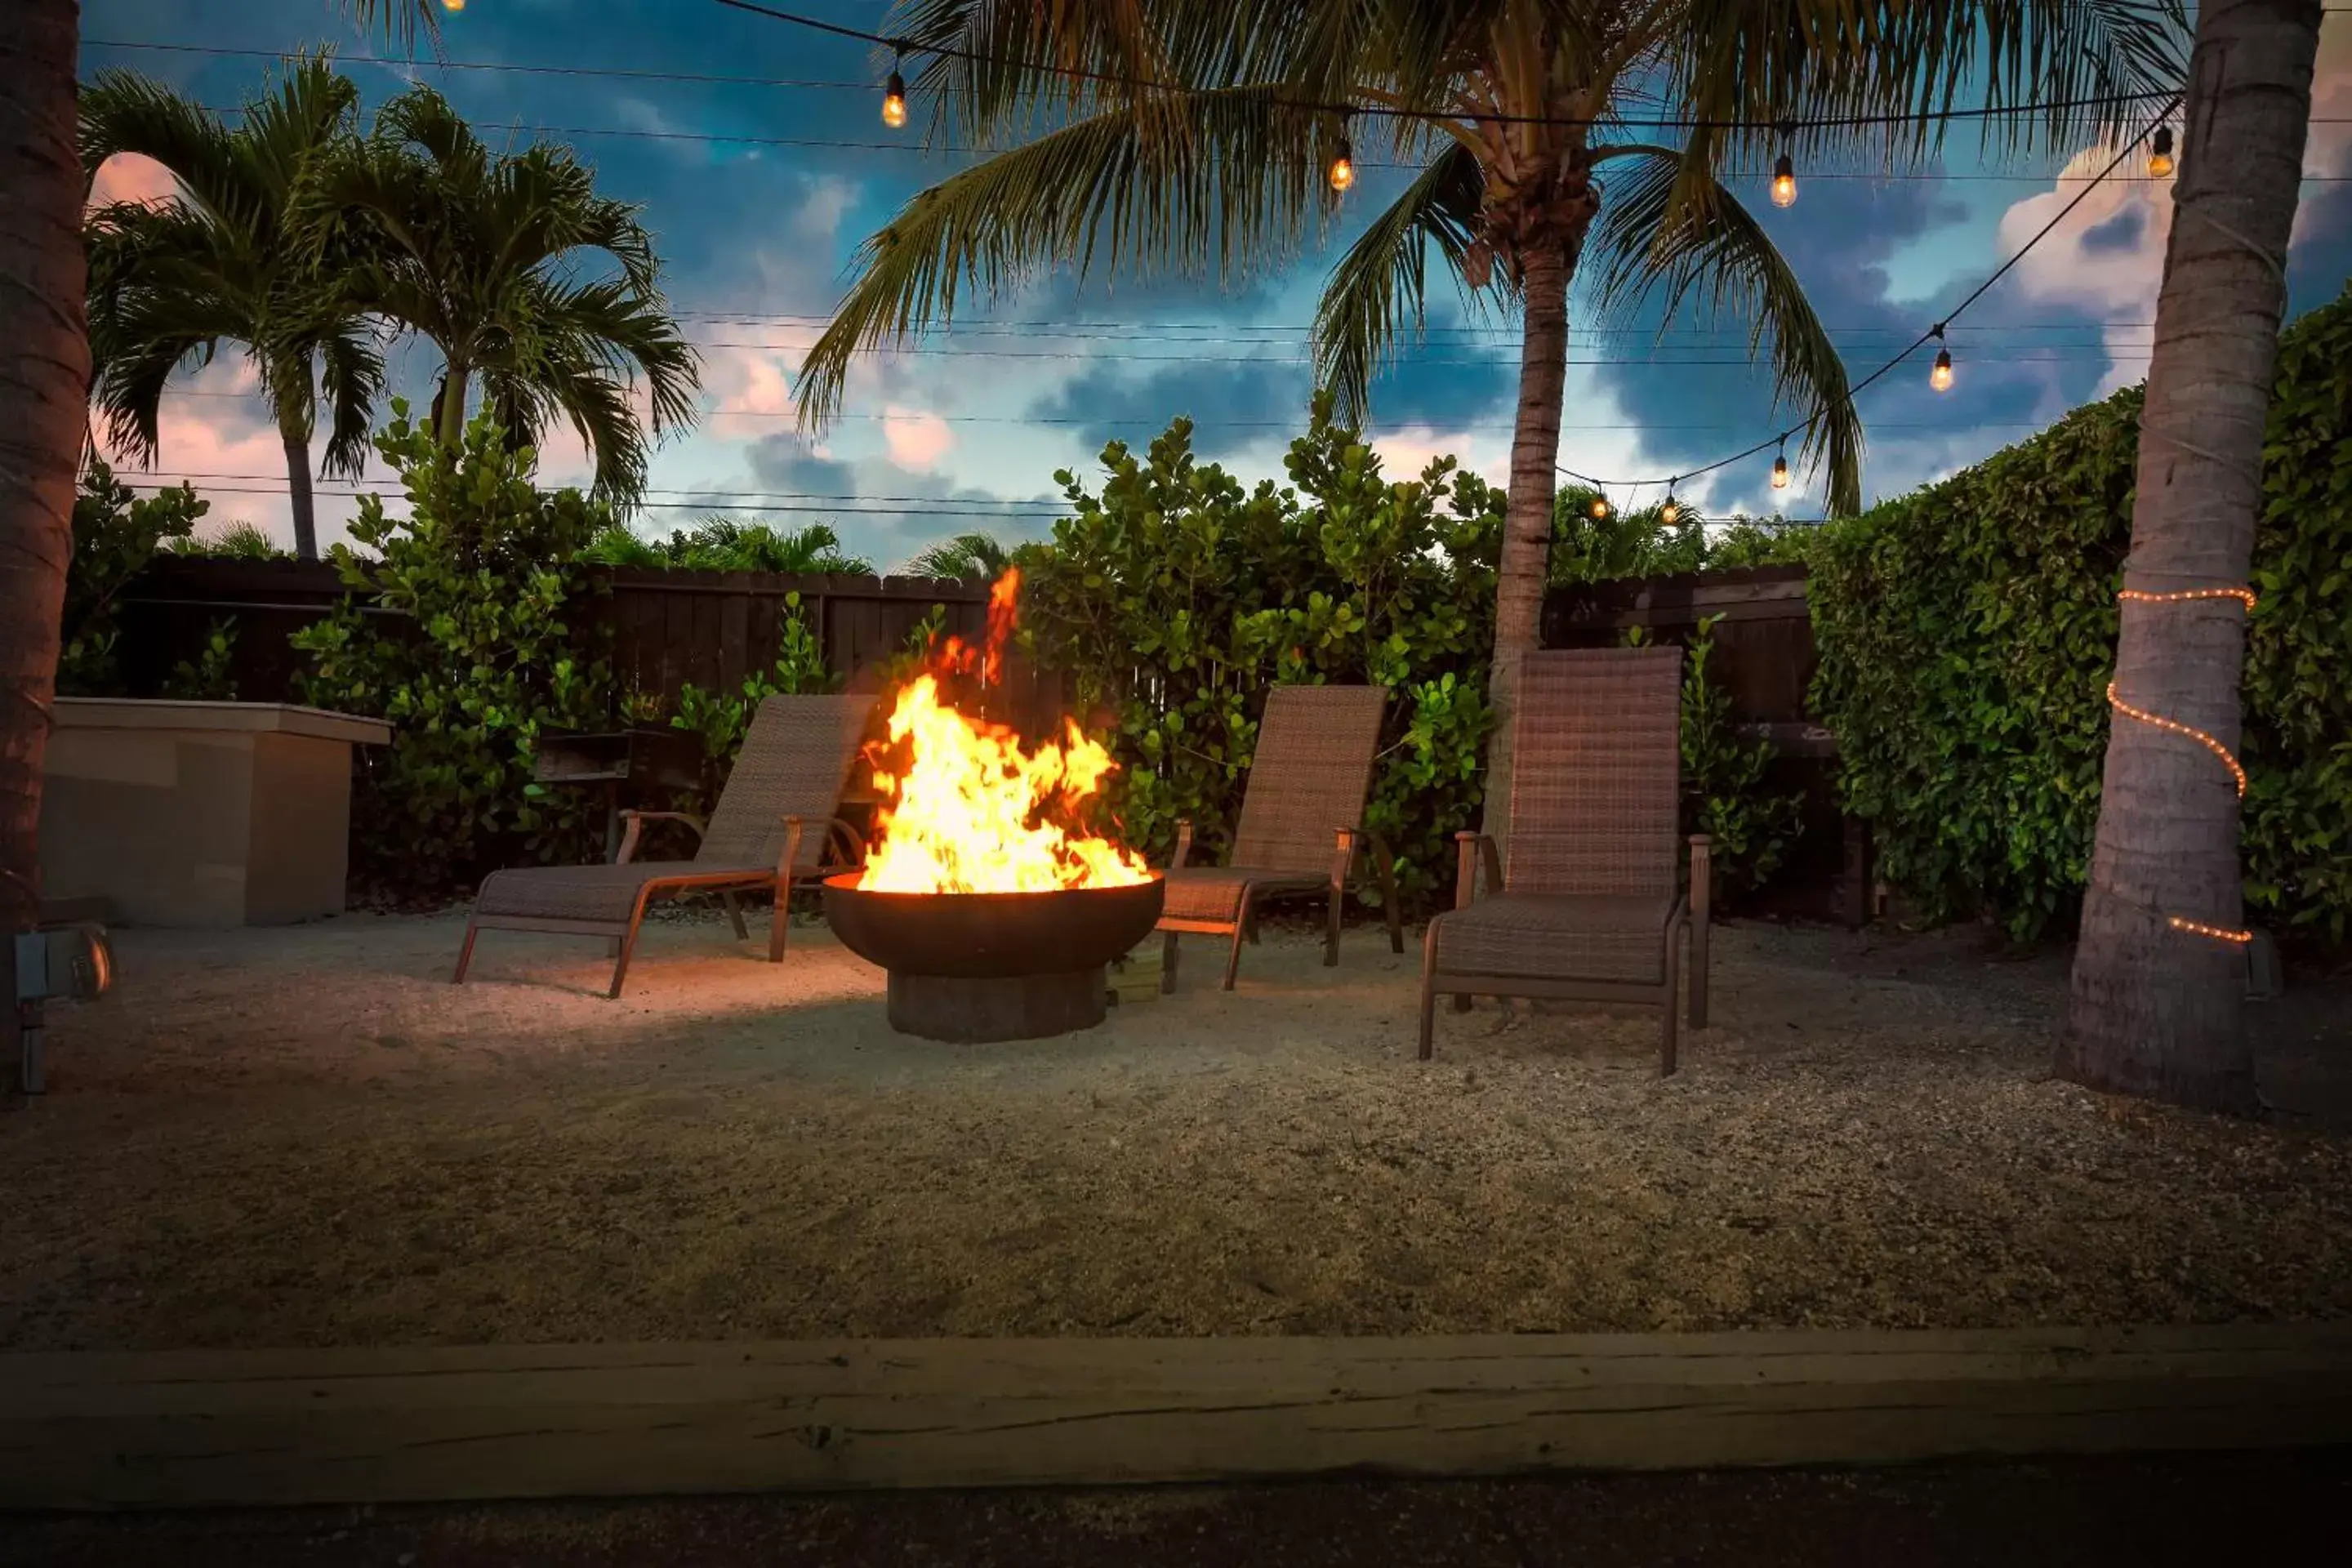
x,y
846,837
1467,850
636,821
790,853
1702,877
1183,844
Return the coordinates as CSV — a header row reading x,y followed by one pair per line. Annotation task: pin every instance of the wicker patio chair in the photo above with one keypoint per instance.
x,y
1588,909
788,776
1300,829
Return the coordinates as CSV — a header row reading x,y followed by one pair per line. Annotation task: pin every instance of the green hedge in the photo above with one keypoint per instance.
x,y
1968,630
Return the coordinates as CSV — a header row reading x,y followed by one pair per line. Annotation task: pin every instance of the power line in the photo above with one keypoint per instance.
x,y
500,66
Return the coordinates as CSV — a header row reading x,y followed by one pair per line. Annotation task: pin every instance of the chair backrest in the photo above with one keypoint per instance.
x,y
1311,773
794,763
1596,771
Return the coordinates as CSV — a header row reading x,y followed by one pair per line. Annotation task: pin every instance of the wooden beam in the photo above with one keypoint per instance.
x,y
233,1428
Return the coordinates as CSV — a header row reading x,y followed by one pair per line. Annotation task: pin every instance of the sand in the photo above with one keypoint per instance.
x,y
307,1136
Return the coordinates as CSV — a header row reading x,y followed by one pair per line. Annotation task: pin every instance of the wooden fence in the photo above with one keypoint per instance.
x,y
668,628
1763,654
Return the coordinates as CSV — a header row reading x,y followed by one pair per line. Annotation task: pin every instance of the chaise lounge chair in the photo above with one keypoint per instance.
x,y
1589,909
788,776
1299,828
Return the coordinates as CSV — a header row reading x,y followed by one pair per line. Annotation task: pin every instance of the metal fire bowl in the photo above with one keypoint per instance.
x,y
993,966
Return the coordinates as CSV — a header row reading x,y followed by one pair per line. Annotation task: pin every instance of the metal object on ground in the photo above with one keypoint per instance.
x,y
972,967
70,961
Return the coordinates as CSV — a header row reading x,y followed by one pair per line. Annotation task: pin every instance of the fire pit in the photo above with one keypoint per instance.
x,y
974,967
991,904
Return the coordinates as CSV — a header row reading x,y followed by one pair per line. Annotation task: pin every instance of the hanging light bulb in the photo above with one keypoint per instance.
x,y
1780,466
894,98
1940,378
1599,507
1672,510
2159,156
1343,167
453,6
1784,175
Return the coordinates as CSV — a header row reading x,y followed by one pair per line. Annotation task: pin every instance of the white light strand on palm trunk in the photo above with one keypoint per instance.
x,y
2245,598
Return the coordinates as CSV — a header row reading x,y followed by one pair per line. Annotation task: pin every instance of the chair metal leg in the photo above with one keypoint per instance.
x,y
1461,1001
1233,957
1168,951
734,913
465,954
1331,927
780,920
1671,1013
628,948
1698,971
1429,993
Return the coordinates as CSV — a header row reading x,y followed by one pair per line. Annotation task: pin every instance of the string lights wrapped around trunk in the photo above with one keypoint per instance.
x,y
2245,597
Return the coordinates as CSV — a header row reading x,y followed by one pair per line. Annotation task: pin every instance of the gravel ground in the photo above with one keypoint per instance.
x,y
2143,1513
306,1136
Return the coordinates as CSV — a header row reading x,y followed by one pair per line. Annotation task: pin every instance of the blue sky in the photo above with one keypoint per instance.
x,y
758,204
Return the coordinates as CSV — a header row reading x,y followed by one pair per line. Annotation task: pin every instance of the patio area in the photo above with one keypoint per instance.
x,y
307,1137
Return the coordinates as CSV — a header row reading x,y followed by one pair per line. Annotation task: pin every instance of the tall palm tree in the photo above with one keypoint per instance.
x,y
43,381
1193,135
169,285
2156,1005
483,254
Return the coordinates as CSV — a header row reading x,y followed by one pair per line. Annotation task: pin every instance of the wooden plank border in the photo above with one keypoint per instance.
x,y
204,1428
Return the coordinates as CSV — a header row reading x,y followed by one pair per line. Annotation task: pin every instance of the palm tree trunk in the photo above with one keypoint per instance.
x,y
1527,519
297,488
2156,1008
44,380
449,408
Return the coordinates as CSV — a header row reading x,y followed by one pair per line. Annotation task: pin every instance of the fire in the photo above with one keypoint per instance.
x,y
970,809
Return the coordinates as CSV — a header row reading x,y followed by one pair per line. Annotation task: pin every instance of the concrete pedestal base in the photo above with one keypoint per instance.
x,y
200,814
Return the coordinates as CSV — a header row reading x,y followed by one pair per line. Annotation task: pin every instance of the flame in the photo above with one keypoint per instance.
x,y
968,809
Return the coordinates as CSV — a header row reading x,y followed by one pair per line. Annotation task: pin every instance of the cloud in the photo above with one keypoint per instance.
x,y
133,177
917,439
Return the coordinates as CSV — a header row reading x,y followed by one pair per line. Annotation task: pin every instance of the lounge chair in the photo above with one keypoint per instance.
x,y
1300,827
1588,909
787,778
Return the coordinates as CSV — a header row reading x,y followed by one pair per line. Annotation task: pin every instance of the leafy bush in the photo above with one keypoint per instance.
x,y
1724,794
115,534
726,544
1174,597
1643,543
485,648
1968,630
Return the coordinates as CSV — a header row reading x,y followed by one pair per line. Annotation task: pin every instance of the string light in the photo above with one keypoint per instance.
x,y
2245,597
1671,509
1940,378
2159,156
1784,175
1780,466
894,97
1343,164
1599,507
453,6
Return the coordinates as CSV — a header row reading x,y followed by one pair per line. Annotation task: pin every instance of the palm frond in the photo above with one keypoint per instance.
x,y
1108,190
351,376
1381,284
1714,258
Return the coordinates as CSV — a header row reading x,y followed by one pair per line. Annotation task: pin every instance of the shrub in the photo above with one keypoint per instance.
x,y
1966,633
115,534
1174,597
726,544
720,719
484,647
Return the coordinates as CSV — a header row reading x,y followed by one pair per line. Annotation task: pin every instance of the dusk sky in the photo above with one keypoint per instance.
x,y
759,193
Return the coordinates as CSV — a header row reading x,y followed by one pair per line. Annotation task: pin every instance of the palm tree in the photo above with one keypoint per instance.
x,y
1193,135
966,556
43,383
169,285
481,253
2156,1004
